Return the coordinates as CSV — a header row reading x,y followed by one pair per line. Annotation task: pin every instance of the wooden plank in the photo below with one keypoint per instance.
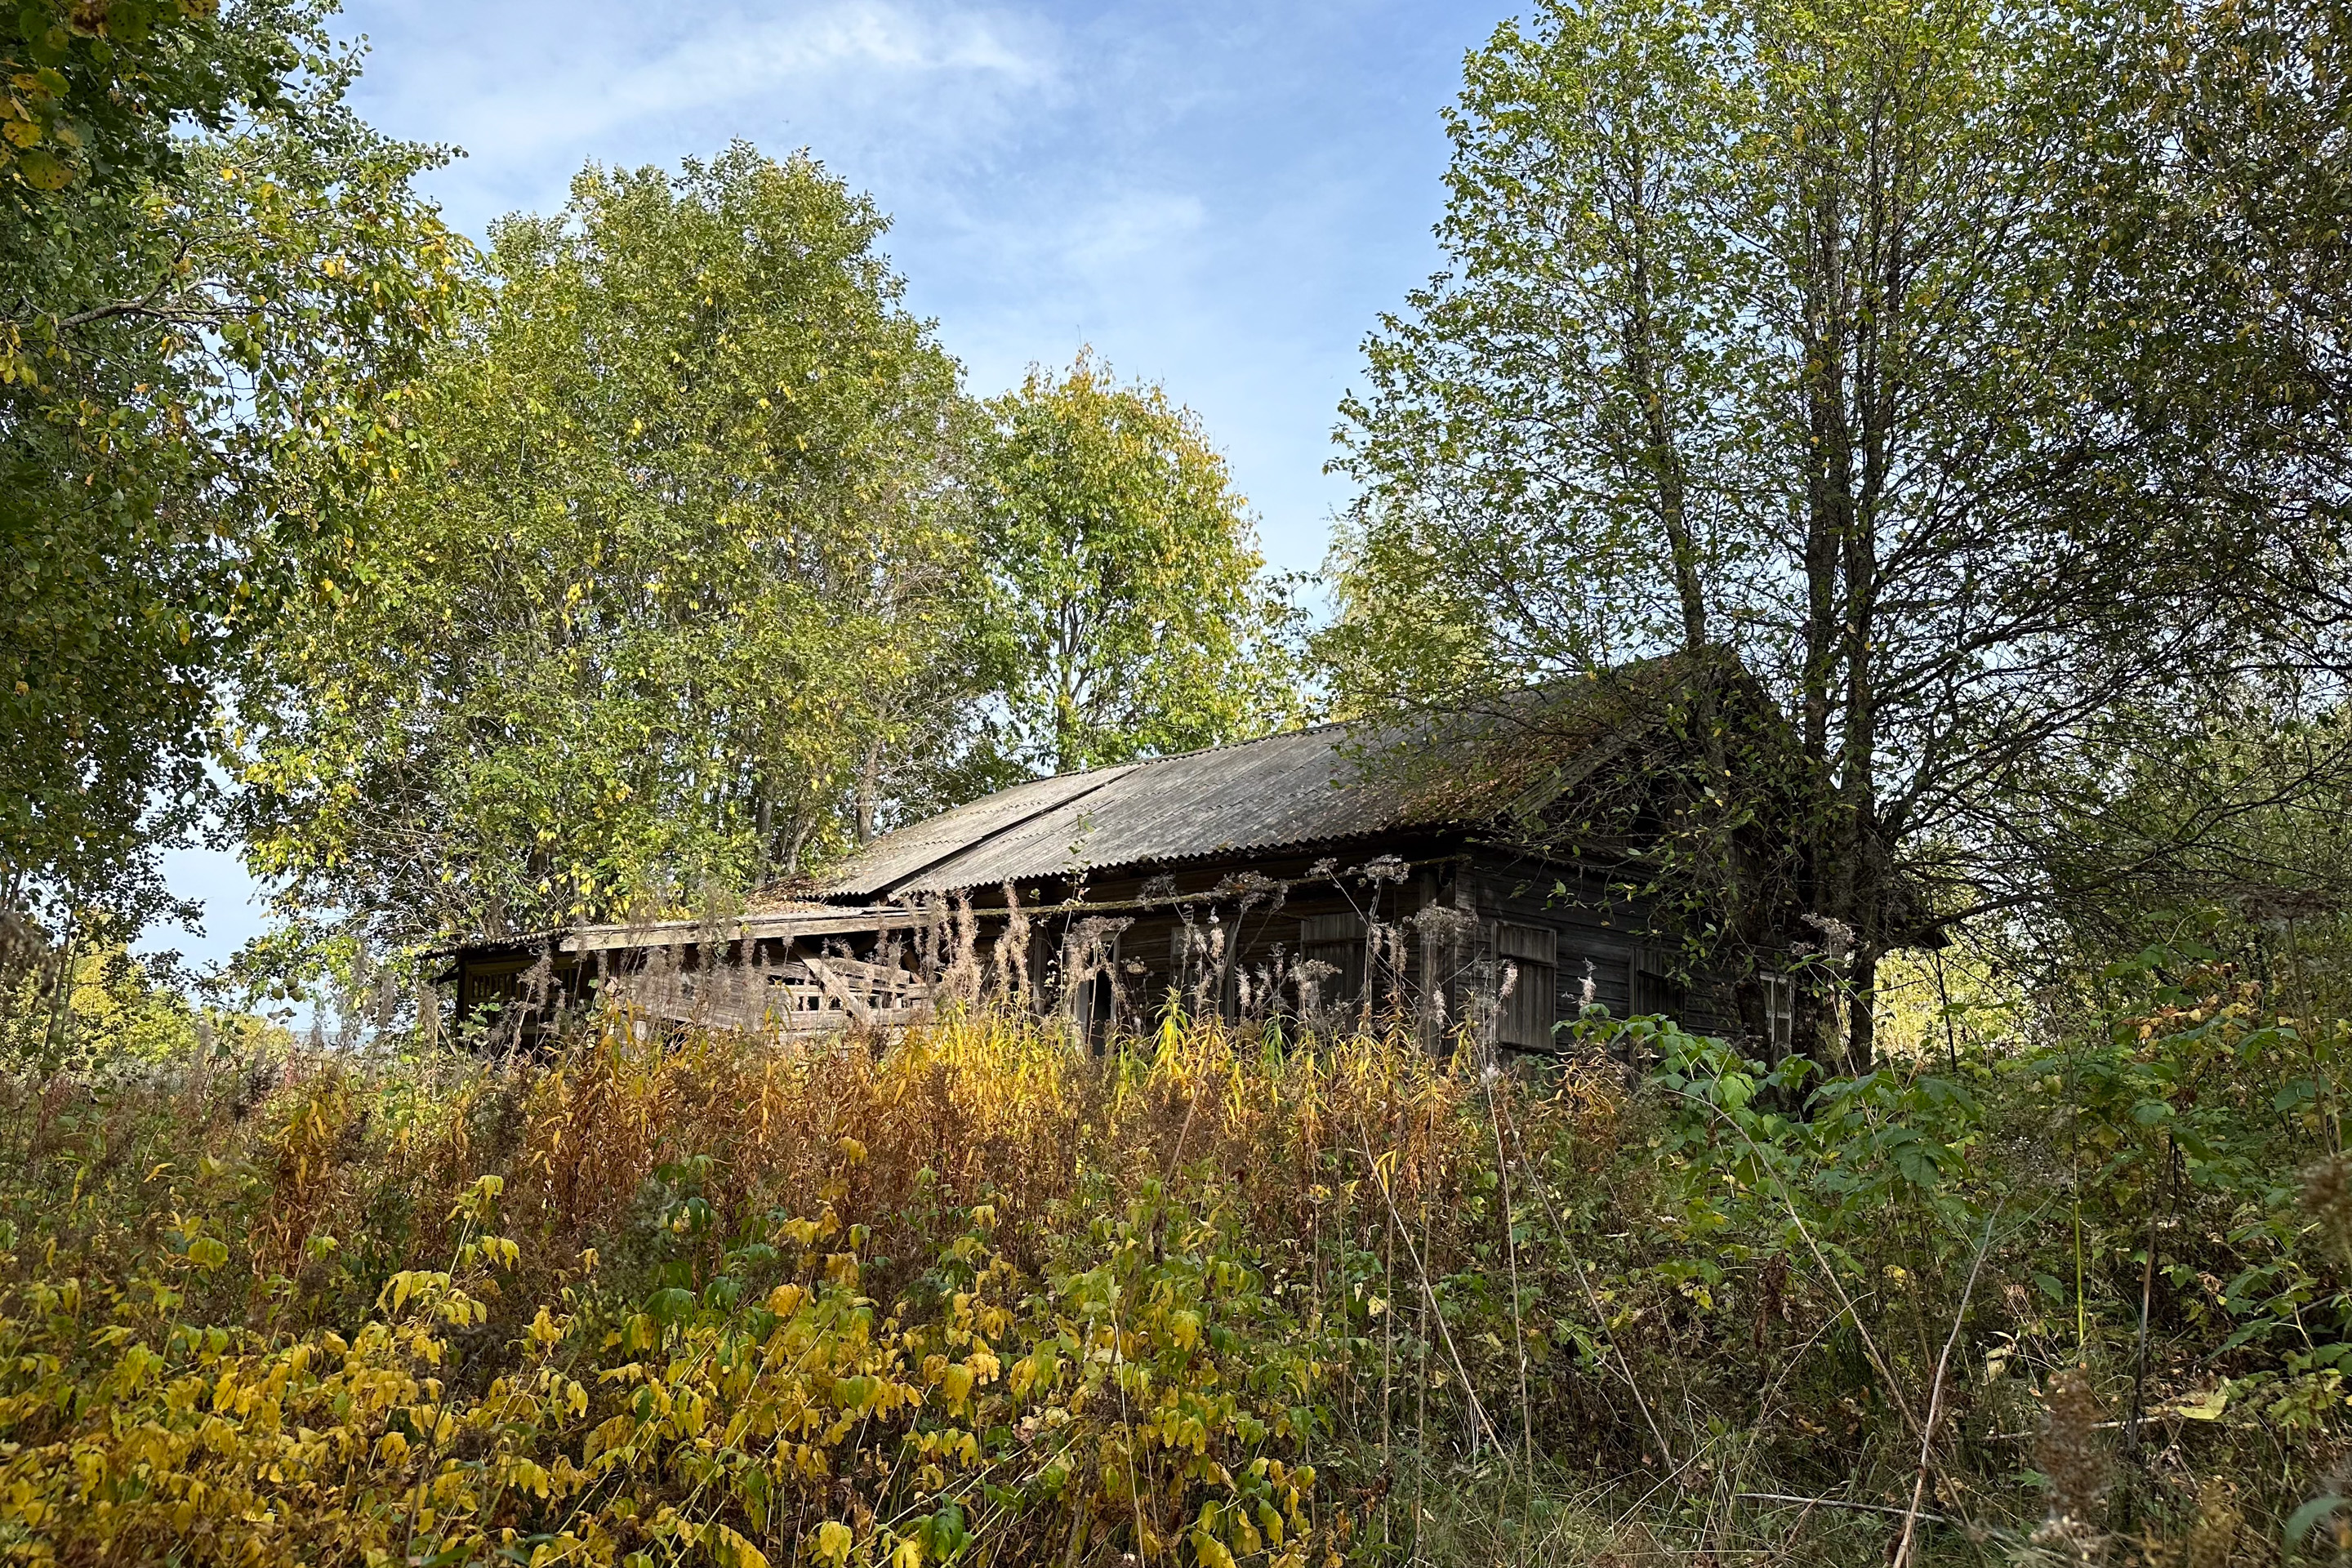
x,y
692,933
855,969
774,1001
839,989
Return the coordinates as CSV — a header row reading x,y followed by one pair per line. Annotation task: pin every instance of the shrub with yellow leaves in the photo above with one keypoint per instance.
x,y
1213,1300
761,1402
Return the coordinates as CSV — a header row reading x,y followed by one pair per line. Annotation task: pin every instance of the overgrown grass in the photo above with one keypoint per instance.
x,y
1211,1298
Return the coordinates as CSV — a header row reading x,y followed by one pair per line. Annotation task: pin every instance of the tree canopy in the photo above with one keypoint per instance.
x,y
1973,375
705,569
1935,359
1130,612
672,595
213,279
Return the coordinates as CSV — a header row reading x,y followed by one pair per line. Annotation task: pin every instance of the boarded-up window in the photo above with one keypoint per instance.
x,y
1533,1006
1656,993
1337,943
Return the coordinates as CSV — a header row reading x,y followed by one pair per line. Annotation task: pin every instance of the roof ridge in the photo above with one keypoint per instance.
x,y
1424,710
1198,751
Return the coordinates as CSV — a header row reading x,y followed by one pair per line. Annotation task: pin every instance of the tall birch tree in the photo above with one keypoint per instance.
x,y
1931,358
674,598
1132,614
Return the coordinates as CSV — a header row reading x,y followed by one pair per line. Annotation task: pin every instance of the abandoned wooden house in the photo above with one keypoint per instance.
x,y
1490,875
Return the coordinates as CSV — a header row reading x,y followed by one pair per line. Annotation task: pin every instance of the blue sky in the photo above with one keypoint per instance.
x,y
1220,197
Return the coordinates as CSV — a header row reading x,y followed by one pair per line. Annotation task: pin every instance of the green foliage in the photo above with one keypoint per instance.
x,y
2131,1191
1877,342
750,1376
977,1296
703,570
1933,358
1130,614
1861,1146
94,90
101,1012
197,388
674,591
737,1408
2242,828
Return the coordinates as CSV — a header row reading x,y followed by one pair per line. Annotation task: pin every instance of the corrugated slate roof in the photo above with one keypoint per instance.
x,y
1286,789
1333,783
896,859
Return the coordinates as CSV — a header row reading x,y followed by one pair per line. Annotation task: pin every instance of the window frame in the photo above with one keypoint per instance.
x,y
1780,1006
1528,1017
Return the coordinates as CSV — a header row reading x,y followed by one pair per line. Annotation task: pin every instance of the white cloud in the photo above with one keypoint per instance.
x,y
1130,226
531,89
872,52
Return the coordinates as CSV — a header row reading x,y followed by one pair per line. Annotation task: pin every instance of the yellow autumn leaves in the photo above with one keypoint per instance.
x,y
803,1420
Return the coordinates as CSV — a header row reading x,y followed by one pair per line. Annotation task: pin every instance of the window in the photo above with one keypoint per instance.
x,y
1533,1006
492,984
1779,1014
1656,993
1090,976
1336,942
1093,1008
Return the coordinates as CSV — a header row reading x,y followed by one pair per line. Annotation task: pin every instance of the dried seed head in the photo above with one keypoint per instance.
x,y
2327,1199
1837,937
2215,1532
2071,1458
1439,924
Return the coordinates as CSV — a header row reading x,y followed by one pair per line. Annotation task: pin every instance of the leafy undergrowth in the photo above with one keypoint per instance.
x,y
1211,1299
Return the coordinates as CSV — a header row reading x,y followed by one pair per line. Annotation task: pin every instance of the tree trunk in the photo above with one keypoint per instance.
x,y
1862,1012
1830,640
1882,279
869,779
1661,453
61,1030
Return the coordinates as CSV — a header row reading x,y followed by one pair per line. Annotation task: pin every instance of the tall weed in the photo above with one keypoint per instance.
x,y
1218,1297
